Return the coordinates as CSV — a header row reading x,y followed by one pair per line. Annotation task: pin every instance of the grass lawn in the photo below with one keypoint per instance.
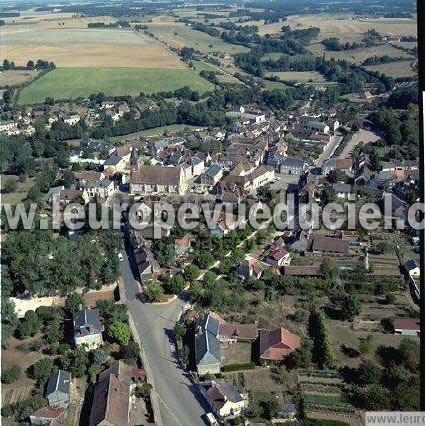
x,y
301,76
66,83
239,352
270,85
157,131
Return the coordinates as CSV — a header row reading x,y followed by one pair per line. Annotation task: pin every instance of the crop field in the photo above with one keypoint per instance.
x,y
302,76
85,48
394,69
180,35
65,83
16,77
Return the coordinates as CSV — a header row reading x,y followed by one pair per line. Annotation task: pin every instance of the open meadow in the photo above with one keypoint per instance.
x,y
179,35
65,83
294,76
394,69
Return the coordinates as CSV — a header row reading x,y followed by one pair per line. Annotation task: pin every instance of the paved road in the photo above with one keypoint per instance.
x,y
179,400
329,150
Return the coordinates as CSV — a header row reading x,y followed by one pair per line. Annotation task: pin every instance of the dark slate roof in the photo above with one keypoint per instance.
x,y
60,381
293,162
112,161
207,350
411,264
213,170
87,322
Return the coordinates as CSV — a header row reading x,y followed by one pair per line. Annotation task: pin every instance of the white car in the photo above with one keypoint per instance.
x,y
120,257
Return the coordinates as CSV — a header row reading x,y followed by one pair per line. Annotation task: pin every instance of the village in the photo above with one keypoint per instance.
x,y
256,160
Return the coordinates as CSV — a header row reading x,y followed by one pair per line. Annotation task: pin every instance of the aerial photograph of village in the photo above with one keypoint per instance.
x,y
209,212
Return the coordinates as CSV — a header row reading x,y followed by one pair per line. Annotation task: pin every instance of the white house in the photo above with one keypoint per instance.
x,y
224,399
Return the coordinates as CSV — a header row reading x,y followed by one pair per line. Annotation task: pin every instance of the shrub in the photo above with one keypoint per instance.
x,y
11,374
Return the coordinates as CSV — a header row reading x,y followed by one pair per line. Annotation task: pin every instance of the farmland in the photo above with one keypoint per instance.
x,y
179,35
15,77
86,48
65,83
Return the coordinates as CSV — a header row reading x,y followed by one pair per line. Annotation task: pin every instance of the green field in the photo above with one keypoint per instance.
x,y
294,76
69,83
394,69
180,35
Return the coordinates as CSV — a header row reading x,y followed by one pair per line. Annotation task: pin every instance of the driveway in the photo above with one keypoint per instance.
x,y
180,401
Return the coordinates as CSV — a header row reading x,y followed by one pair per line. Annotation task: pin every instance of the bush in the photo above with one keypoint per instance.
x,y
119,331
10,375
10,186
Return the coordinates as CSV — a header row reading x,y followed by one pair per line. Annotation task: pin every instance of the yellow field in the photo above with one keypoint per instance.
x,y
70,46
94,55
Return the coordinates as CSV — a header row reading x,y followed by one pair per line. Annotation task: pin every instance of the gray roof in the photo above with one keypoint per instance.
x,y
59,381
87,321
196,160
411,264
112,161
207,349
293,162
104,183
213,170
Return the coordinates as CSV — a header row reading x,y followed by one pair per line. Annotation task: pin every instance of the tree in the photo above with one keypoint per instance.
x,y
322,349
350,306
99,356
191,273
376,398
42,370
74,302
68,178
11,374
205,260
225,266
382,247
175,284
195,291
119,331
30,325
154,292
179,331
409,351
30,64
10,185
76,362
368,373
143,390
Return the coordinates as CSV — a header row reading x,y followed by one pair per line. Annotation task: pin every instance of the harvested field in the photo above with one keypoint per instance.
x,y
94,55
16,77
66,83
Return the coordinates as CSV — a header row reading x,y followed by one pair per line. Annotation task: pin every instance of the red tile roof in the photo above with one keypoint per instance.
x,y
407,324
276,345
